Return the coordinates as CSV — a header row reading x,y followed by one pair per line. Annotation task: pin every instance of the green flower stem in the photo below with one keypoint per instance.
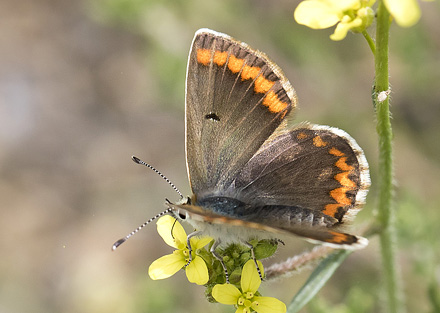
x,y
385,207
370,41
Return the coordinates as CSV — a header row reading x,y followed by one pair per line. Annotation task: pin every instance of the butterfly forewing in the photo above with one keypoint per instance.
x,y
235,99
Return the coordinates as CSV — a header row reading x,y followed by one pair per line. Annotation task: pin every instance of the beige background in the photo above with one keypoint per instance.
x,y
86,84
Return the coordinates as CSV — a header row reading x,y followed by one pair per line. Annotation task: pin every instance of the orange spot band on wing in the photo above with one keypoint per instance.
x,y
273,103
235,64
301,135
343,179
335,152
318,142
263,85
342,164
203,56
331,209
340,195
220,58
250,72
340,238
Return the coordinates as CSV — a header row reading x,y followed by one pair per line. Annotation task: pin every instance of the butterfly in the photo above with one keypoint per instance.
x,y
250,175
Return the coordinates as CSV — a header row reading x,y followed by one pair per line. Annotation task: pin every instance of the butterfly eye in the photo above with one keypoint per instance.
x,y
182,215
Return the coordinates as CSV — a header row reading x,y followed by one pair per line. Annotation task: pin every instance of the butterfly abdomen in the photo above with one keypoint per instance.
x,y
280,216
285,217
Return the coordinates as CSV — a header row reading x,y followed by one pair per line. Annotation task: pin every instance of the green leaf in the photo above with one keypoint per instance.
x,y
265,248
317,279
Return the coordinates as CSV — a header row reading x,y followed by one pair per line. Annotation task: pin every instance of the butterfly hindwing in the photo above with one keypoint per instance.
x,y
312,166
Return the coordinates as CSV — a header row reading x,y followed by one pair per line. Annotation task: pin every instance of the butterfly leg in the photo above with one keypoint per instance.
x,y
188,243
219,258
250,246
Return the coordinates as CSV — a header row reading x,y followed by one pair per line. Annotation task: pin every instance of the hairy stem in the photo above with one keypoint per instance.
x,y
384,130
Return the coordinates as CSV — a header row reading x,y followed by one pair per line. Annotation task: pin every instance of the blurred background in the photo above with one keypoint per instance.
x,y
86,84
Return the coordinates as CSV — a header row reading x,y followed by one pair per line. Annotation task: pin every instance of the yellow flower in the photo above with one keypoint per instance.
x,y
354,15
405,12
245,300
175,236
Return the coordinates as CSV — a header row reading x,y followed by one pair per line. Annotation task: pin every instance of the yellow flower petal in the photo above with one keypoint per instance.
x,y
199,243
166,266
316,14
165,225
250,279
405,12
340,32
343,28
268,305
226,294
197,271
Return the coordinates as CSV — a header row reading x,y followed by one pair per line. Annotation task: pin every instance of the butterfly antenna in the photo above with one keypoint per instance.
x,y
122,240
139,161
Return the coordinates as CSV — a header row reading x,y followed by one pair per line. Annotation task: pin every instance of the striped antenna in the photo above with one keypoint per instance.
x,y
139,161
122,240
